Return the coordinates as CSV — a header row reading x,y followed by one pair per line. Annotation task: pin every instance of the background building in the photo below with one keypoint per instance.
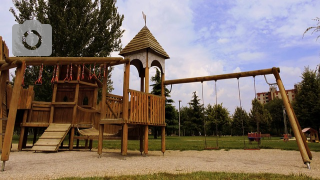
x,y
265,97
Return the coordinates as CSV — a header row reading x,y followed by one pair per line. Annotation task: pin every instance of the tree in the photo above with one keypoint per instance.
x,y
86,28
314,28
240,122
307,101
218,119
170,111
196,116
259,116
275,108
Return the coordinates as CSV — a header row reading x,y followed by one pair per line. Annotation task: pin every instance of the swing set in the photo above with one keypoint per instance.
x,y
300,138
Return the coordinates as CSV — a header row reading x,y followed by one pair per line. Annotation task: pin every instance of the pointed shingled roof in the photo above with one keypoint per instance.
x,y
143,40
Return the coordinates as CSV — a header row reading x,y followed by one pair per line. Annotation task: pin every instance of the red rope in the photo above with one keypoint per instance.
x,y
82,76
67,78
70,78
39,80
53,74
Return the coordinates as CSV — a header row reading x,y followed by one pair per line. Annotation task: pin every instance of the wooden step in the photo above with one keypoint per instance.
x,y
45,148
47,142
52,135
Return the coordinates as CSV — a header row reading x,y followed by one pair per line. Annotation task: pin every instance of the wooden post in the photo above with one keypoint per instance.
x,y
35,132
141,139
3,85
163,139
54,95
126,75
142,84
103,111
146,136
74,116
100,143
294,124
12,114
163,128
124,139
21,139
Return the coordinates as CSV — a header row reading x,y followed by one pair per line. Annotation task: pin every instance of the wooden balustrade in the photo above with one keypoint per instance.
x,y
114,106
146,108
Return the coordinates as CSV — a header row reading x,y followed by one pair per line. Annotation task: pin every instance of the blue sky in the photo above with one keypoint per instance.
x,y
214,37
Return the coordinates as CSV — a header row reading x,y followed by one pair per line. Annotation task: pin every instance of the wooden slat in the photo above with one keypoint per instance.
x,y
44,148
112,121
52,135
47,142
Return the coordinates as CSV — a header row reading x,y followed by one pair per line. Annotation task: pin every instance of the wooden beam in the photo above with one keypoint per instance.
x,y
294,124
124,147
67,60
222,76
74,115
8,66
103,111
146,136
163,139
125,92
3,85
12,114
54,95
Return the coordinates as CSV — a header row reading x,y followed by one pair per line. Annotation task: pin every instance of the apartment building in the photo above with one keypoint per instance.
x,y
265,97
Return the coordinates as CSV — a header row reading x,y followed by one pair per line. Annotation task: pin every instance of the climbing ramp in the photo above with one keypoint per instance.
x,y
52,137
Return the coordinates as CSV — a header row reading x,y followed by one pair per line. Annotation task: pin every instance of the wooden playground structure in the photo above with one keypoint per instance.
x,y
74,106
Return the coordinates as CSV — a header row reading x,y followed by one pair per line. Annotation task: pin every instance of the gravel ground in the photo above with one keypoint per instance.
x,y
84,163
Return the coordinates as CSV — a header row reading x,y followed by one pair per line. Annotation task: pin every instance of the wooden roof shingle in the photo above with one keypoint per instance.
x,y
143,40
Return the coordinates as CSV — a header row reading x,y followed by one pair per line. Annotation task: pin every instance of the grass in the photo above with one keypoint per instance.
x,y
201,175
197,143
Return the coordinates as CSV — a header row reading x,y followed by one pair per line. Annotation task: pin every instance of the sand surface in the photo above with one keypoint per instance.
x,y
84,163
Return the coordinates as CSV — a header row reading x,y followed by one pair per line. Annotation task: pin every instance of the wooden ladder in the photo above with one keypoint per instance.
x,y
52,137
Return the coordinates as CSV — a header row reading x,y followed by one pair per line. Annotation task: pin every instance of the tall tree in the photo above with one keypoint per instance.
x,y
260,117
275,108
196,118
170,111
218,119
240,122
307,101
85,28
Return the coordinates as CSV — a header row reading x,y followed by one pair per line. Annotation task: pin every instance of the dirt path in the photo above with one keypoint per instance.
x,y
30,165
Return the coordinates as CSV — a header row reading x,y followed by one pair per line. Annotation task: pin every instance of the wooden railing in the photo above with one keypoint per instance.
x,y
146,108
114,106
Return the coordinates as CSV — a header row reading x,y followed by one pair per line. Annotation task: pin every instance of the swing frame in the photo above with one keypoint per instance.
x,y
300,138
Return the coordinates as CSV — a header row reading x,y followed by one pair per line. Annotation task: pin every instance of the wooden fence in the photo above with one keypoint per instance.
x,y
146,108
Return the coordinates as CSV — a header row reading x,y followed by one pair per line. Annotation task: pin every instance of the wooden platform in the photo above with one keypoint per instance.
x,y
52,137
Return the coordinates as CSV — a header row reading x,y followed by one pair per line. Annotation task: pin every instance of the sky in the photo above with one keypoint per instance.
x,y
207,37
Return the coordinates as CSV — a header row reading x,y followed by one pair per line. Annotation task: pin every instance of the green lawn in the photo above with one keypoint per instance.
x,y
197,143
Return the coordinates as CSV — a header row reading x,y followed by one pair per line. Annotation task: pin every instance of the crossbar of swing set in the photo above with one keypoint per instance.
x,y
222,76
